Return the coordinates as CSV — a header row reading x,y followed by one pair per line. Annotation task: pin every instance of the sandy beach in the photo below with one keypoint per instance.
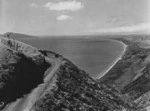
x,y
112,65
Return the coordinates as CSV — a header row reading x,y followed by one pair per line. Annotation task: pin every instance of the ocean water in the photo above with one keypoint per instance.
x,y
92,55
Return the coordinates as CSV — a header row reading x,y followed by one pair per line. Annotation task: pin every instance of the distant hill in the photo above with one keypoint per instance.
x,y
17,35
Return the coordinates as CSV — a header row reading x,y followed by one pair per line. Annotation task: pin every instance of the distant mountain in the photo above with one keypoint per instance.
x,y
38,80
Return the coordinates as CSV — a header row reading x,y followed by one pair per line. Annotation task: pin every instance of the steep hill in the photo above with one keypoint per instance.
x,y
40,80
18,71
74,90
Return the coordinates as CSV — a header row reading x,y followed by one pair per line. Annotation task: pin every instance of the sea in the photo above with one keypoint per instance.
x,y
94,55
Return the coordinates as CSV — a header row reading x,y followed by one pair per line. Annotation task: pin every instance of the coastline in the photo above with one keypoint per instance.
x,y
114,63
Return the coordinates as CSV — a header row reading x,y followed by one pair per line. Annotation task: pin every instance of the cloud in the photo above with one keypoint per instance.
x,y
131,28
63,17
64,6
34,5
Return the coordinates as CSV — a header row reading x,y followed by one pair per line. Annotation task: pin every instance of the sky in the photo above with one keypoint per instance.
x,y
74,17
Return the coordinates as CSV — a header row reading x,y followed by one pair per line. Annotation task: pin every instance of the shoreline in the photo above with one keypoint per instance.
x,y
114,63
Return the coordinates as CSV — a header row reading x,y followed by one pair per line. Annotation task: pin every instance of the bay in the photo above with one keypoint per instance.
x,y
92,55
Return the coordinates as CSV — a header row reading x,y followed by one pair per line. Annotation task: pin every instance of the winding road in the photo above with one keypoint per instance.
x,y
26,103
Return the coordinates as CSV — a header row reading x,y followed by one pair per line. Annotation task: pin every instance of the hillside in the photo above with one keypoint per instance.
x,y
74,90
131,75
40,80
18,71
